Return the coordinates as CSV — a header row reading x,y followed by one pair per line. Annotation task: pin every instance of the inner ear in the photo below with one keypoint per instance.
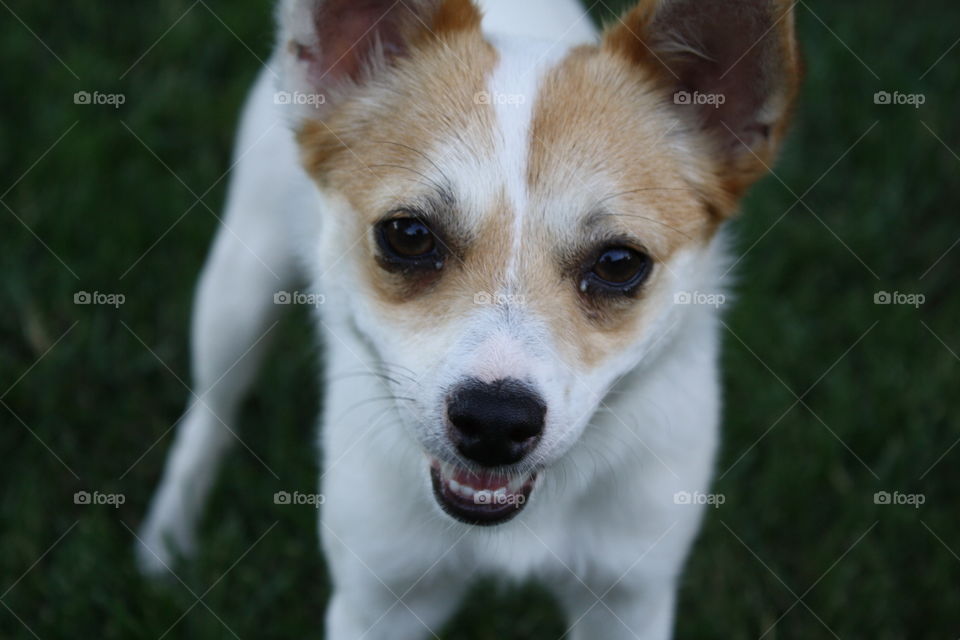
x,y
731,66
329,43
724,63
351,34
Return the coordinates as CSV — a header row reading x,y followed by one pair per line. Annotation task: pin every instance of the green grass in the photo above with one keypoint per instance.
x,y
799,518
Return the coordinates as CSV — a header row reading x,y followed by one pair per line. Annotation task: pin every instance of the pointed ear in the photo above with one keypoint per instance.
x,y
731,66
328,47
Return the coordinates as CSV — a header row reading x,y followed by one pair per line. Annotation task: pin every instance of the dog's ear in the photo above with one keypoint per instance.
x,y
330,46
731,66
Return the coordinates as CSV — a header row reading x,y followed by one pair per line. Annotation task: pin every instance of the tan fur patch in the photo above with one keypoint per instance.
x,y
457,15
447,56
375,150
597,119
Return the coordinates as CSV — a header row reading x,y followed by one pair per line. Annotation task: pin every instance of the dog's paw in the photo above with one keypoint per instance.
x,y
158,548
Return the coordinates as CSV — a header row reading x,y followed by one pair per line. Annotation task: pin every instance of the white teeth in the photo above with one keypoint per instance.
x,y
501,495
481,496
461,490
516,484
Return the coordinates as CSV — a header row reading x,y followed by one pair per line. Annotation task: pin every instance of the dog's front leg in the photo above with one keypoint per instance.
x,y
252,260
389,584
397,574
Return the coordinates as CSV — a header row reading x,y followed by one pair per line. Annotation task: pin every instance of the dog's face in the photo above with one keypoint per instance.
x,y
514,222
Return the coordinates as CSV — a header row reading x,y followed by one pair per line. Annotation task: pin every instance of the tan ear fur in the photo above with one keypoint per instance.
x,y
741,52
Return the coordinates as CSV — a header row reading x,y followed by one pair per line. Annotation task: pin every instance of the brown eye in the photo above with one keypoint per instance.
x,y
618,269
408,243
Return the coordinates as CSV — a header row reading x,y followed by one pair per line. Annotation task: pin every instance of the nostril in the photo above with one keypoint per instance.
x,y
496,423
527,423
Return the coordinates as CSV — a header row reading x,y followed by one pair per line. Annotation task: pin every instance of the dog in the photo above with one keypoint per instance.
x,y
511,220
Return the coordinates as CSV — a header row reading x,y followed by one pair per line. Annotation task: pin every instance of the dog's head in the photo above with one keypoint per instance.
x,y
514,222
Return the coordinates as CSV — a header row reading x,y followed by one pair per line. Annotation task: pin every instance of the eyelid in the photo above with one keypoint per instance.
x,y
588,280
403,213
591,250
429,220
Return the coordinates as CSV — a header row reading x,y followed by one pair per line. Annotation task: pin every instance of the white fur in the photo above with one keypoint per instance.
x,y
513,90
620,442
559,22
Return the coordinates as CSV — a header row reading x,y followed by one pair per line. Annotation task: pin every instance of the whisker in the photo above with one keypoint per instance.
x,y
368,401
401,371
360,374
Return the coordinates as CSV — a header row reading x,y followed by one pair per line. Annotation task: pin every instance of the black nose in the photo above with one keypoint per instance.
x,y
495,424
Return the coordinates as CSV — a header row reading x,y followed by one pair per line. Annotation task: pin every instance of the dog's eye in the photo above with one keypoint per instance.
x,y
618,269
409,242
409,238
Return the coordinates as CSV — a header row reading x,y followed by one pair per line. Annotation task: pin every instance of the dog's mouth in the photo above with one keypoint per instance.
x,y
478,497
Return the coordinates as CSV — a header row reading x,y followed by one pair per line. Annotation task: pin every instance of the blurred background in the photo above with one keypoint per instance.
x,y
840,456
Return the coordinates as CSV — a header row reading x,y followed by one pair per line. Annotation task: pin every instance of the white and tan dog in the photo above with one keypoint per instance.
x,y
502,209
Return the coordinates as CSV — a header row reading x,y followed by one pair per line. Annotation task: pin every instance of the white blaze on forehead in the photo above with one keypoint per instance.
x,y
564,21
512,93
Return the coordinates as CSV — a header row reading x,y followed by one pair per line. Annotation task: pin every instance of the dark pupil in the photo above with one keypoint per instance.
x,y
618,266
410,238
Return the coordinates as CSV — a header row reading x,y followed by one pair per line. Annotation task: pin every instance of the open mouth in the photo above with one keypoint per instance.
x,y
477,497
